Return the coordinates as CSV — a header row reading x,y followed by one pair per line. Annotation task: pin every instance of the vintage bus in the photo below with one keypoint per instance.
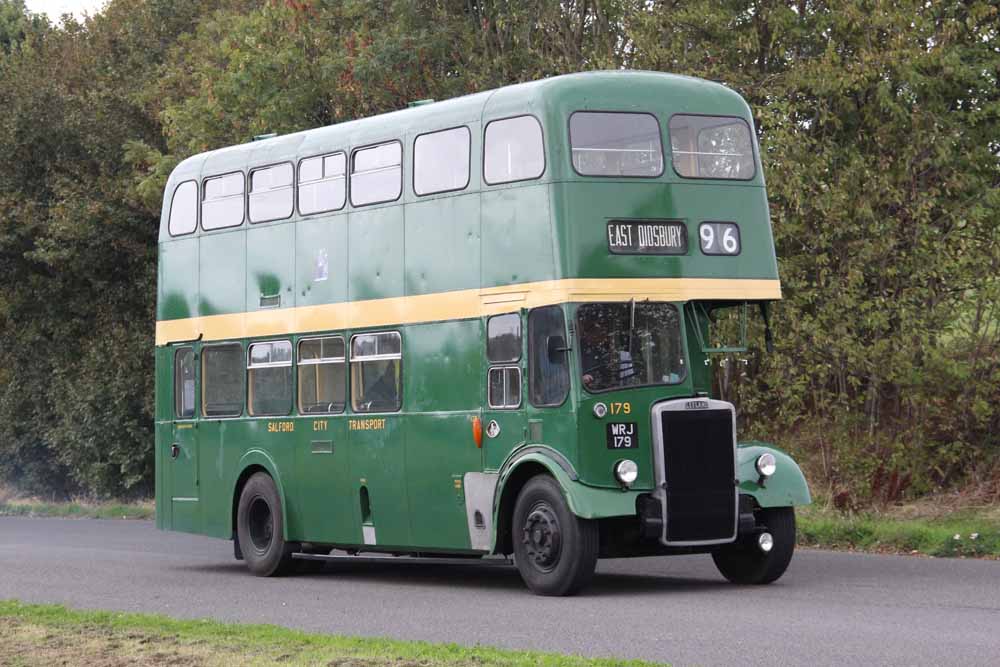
x,y
474,327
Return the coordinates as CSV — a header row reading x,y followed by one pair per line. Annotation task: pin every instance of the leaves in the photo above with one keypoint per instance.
x,y
878,131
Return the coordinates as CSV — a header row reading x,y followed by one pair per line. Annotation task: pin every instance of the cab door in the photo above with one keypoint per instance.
x,y
504,425
182,446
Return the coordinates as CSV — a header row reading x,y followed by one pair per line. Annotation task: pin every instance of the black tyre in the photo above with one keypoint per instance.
x,y
555,551
260,527
744,562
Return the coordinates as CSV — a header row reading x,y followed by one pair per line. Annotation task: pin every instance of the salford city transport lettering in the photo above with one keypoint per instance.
x,y
482,327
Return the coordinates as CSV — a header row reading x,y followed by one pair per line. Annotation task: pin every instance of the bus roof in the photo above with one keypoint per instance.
x,y
594,90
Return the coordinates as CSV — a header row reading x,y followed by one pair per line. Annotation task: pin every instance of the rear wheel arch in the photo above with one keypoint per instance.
x,y
252,462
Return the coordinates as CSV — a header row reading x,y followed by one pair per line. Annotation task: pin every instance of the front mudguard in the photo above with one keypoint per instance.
x,y
786,487
587,502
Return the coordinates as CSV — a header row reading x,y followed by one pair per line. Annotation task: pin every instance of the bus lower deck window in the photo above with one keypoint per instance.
x,y
376,372
270,378
184,383
222,380
322,375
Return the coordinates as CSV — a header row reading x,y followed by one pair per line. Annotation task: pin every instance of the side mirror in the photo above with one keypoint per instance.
x,y
556,346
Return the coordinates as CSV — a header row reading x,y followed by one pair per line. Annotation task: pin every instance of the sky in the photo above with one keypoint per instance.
x,y
56,8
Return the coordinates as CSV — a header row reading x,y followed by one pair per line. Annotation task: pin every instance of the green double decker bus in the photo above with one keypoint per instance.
x,y
475,327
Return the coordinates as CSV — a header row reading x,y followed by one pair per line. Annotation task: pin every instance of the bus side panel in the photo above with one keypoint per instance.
x,y
177,287
163,412
582,211
442,244
322,504
222,275
270,276
376,259
443,389
517,238
321,261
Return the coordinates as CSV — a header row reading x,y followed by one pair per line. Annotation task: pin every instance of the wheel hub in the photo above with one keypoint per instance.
x,y
542,536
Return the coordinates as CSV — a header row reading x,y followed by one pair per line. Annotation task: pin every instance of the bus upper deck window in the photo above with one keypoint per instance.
x,y
376,372
616,144
711,147
222,204
513,150
322,376
376,174
271,195
322,183
184,209
270,371
441,161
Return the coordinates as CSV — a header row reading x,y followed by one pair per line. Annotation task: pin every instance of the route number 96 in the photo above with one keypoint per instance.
x,y
719,238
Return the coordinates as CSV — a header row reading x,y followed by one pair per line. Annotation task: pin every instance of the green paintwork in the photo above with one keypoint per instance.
x,y
550,228
786,487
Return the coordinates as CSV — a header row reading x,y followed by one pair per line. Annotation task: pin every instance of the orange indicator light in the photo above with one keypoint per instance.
x,y
477,431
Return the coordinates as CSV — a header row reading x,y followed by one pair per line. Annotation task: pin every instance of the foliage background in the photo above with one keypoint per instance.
x,y
879,124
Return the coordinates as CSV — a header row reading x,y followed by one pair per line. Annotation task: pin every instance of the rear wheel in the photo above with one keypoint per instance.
x,y
745,562
260,527
555,551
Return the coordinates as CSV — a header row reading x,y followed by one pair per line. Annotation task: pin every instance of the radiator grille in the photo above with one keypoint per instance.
x,y
700,473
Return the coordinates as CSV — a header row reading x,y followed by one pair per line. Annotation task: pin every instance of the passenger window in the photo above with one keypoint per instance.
x,y
271,194
503,338
441,161
513,150
376,372
222,380
616,144
184,209
505,387
376,174
503,346
222,205
711,147
322,376
270,371
184,383
322,184
548,361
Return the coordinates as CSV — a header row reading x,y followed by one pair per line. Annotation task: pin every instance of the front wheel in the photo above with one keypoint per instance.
x,y
260,527
745,563
555,551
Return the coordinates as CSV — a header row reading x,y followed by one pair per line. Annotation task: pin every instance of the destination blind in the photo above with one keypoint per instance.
x,y
647,237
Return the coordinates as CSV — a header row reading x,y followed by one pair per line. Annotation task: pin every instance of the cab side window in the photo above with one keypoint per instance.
x,y
503,351
548,360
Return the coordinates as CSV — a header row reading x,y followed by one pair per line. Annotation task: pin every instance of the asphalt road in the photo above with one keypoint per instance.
x,y
829,608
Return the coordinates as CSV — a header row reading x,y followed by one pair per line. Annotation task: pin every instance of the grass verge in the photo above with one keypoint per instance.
x,y
51,634
964,533
78,510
